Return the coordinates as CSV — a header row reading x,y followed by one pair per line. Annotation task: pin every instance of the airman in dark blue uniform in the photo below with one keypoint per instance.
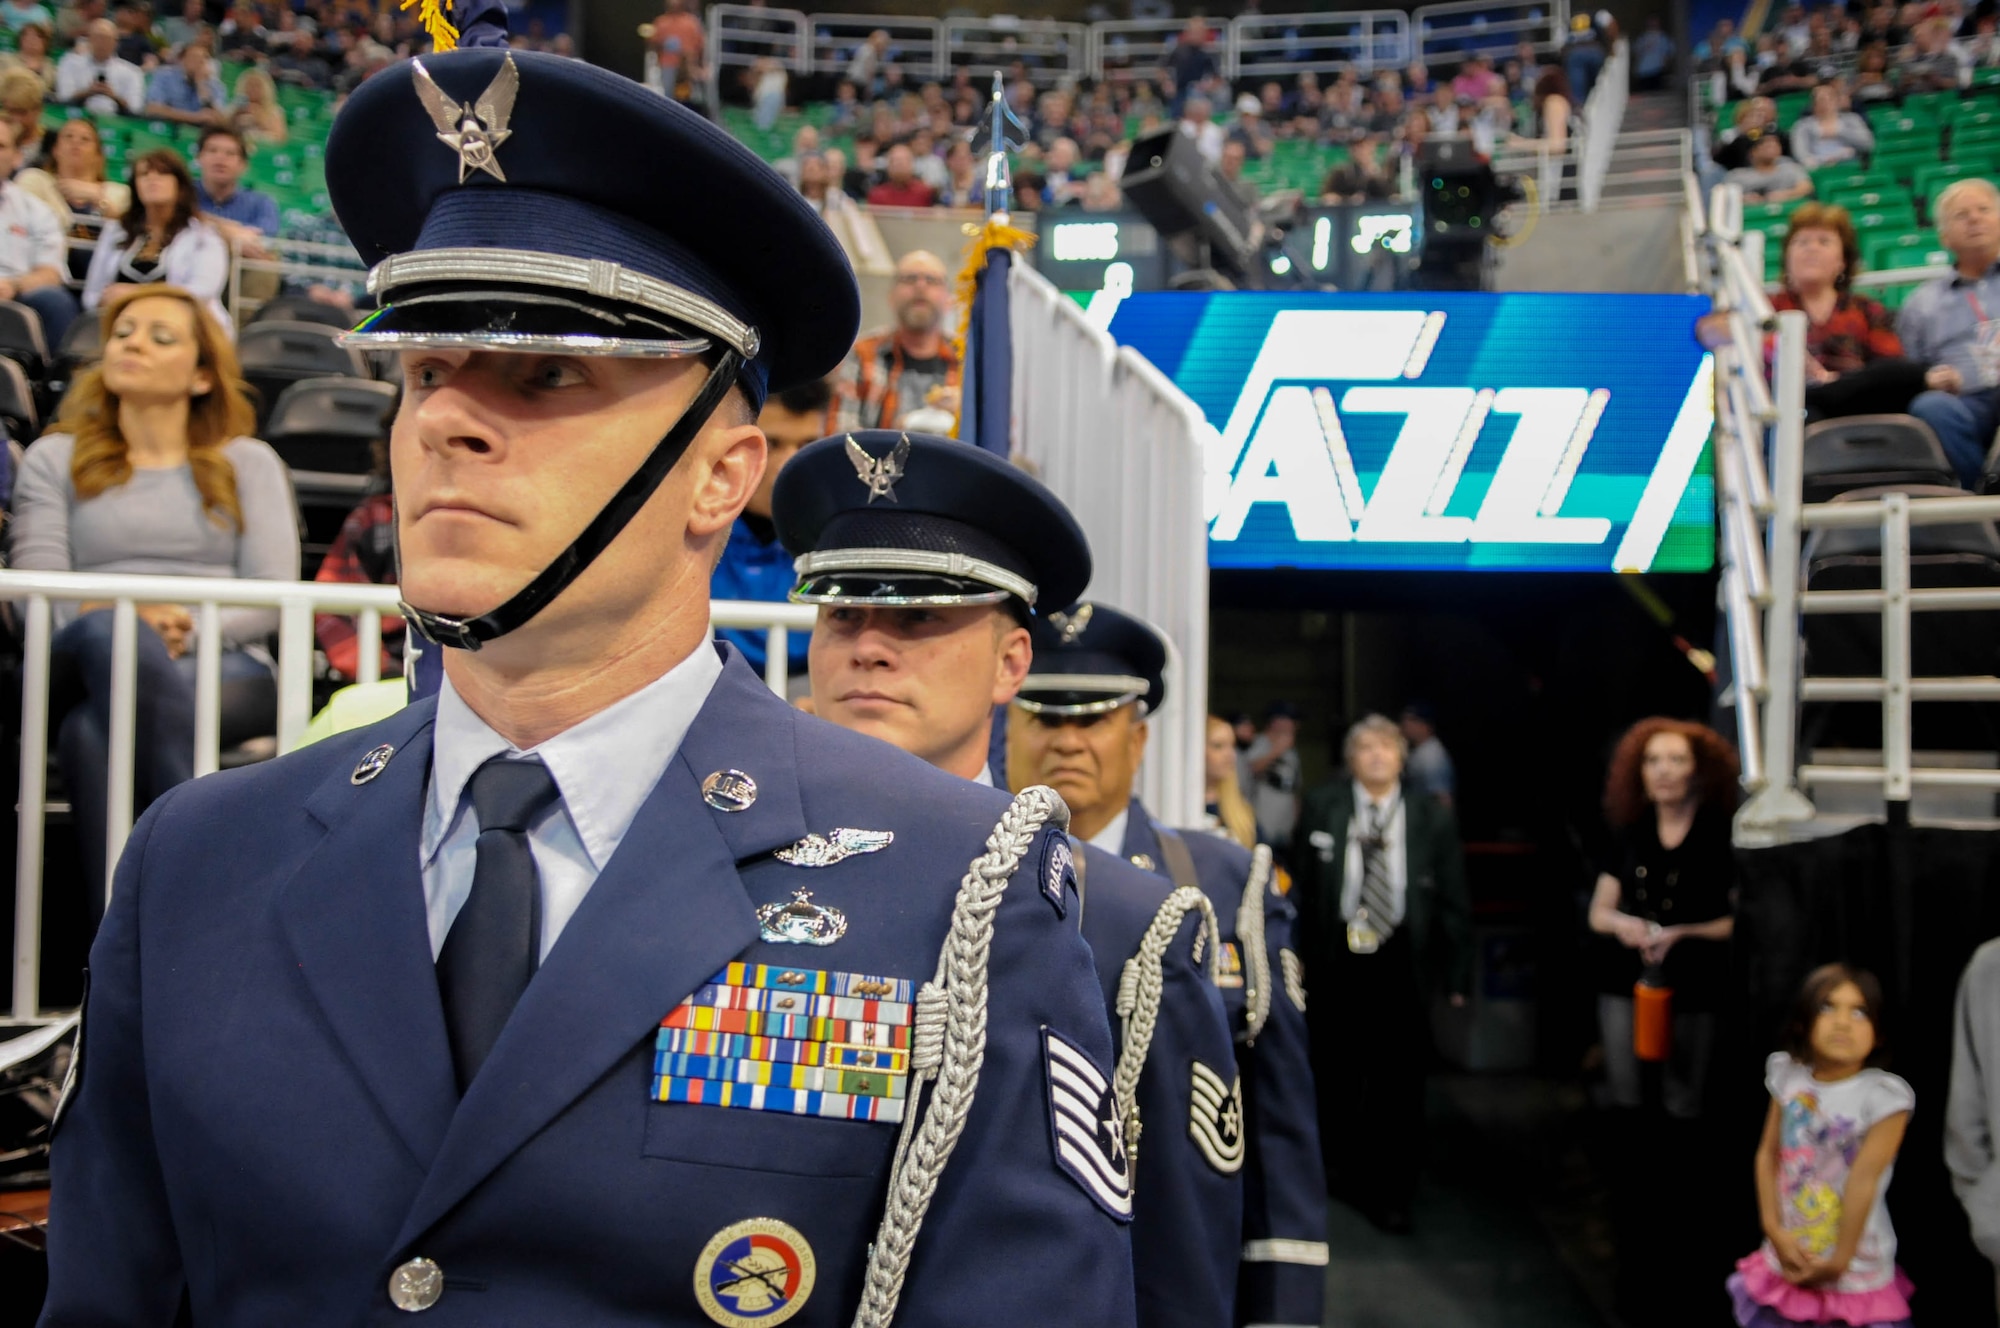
x,y
604,987
927,557
1079,726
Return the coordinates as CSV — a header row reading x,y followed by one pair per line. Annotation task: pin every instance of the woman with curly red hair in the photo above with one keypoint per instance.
x,y
1663,898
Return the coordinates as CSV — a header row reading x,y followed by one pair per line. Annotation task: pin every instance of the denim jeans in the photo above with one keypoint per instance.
x,y
56,306
80,717
1964,422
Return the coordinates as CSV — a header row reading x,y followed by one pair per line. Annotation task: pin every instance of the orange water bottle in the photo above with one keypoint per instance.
x,y
1652,1016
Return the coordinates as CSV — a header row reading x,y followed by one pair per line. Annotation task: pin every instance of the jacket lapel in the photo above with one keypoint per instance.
x,y
667,912
1139,836
354,916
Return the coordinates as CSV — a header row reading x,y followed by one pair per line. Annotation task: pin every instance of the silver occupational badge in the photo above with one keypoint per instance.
x,y
825,850
800,922
1072,625
879,475
474,132
729,791
372,764
1143,861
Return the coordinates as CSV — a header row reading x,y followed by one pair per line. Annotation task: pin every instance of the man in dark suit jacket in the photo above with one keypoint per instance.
x,y
1384,927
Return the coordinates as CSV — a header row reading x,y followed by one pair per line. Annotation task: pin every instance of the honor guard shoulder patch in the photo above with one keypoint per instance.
x,y
1295,978
1215,1119
1084,1126
1059,873
755,1272
763,1037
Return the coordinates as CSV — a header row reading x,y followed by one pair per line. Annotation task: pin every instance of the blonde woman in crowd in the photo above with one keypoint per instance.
x,y
257,114
32,54
1229,813
71,179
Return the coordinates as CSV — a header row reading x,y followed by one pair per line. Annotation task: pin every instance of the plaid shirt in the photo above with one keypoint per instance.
x,y
364,553
877,384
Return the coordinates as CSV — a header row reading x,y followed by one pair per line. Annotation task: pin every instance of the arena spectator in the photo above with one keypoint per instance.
x,y
178,30
1101,193
1476,80
1713,51
1652,57
1250,131
910,365
136,41
72,180
1831,134
31,53
817,187
21,101
1583,57
1226,812
805,142
1972,1111
363,553
150,468
1062,184
965,183
1417,83
1854,361
865,172
926,164
1344,111
255,113
1872,79
677,42
1770,176
301,65
1932,63
187,91
769,85
33,256
1361,178
871,57
96,79
754,565
1945,325
245,217
160,240
1389,113
1190,65
900,186
1429,766
1441,110
1197,123
15,16
1274,770
1231,169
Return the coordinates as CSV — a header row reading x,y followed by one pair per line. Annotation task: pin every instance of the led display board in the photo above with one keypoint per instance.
x,y
1444,431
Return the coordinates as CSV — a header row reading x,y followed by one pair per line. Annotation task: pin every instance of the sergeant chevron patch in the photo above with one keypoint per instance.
x,y
1084,1127
1215,1119
1295,978
764,1037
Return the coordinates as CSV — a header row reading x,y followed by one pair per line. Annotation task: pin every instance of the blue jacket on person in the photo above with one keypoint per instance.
x,y
1283,1275
754,567
265,1119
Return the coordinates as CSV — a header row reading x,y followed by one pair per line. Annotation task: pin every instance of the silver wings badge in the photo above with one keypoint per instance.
x,y
474,132
1072,625
880,476
825,850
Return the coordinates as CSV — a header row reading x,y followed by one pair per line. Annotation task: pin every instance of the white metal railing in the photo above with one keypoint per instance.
x,y
301,261
37,593
1142,44
741,35
916,43
1123,447
1447,33
1284,45
1053,52
1603,117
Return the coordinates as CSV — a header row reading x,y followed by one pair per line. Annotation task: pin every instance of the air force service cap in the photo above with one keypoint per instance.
x,y
1091,659
512,200
890,519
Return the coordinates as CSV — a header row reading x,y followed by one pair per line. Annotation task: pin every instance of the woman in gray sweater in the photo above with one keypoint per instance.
x,y
149,469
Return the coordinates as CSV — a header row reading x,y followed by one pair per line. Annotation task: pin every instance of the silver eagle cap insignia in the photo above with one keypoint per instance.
x,y
1072,625
474,132
838,846
800,922
880,475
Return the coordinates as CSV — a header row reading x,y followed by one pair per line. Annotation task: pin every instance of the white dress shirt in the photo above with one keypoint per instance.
x,y
1399,858
30,234
78,70
1112,837
196,260
604,769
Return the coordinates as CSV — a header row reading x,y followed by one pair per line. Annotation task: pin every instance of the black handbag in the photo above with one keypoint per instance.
x,y
34,1073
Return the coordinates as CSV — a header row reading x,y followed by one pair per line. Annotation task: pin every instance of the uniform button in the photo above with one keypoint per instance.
x,y
416,1285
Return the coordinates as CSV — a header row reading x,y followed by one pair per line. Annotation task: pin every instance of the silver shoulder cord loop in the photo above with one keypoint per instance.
x,y
1140,987
947,1048
1250,938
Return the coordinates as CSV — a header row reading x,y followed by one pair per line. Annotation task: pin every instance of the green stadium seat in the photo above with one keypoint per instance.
x,y
1893,122
1791,105
1893,297
1870,200
1974,111
1836,179
1936,105
1886,253
1975,138
1882,219
1985,80
1903,164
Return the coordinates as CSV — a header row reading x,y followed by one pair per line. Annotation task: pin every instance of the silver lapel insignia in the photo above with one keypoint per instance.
x,y
372,764
800,922
879,475
474,132
825,850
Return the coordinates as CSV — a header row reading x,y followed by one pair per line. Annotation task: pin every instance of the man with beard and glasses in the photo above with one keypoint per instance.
x,y
908,366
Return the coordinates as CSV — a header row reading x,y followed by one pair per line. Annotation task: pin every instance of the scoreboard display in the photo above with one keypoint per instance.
x,y
1443,431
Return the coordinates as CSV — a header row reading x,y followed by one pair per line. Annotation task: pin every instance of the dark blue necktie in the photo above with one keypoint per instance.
x,y
493,946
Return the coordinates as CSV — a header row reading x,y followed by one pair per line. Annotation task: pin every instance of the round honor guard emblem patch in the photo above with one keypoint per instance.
x,y
729,791
416,1285
755,1272
372,764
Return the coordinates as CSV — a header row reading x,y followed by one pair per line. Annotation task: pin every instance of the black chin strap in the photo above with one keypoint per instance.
x,y
472,633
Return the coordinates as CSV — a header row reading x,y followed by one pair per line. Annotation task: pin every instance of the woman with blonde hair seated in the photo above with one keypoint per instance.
x,y
71,179
150,469
1229,813
257,114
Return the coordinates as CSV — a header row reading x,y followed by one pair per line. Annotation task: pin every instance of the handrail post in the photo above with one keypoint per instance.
x,y
1780,802
295,643
1896,647
124,734
32,810
207,689
777,658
